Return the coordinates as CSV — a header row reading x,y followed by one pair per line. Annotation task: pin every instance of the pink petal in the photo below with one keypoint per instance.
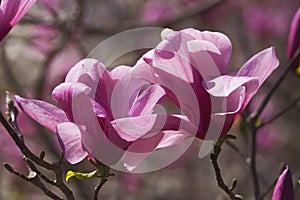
x,y
120,71
144,147
69,136
44,113
133,128
140,150
93,137
65,93
146,102
172,56
123,95
284,187
220,40
88,71
223,86
11,11
205,57
260,65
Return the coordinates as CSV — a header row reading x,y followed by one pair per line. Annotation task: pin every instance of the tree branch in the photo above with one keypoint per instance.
x,y
214,160
29,156
283,111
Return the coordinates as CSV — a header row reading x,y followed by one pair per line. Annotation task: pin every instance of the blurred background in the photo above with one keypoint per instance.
x,y
56,34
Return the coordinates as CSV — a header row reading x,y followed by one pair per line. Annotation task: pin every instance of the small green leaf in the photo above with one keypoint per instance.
x,y
82,176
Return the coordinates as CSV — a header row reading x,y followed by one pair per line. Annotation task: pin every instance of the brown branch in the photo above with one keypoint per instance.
x,y
252,161
292,64
33,179
29,156
99,186
283,111
214,160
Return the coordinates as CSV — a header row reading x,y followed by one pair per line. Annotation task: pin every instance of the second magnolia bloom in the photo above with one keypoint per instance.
x,y
118,114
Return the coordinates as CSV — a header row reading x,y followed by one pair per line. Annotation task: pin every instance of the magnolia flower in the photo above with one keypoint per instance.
x,y
118,116
106,115
284,187
11,11
192,67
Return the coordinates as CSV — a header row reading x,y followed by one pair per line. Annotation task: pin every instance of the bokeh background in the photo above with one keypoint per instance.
x,y
56,34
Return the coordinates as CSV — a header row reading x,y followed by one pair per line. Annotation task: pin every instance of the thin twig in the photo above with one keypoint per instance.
x,y
99,186
33,179
214,160
293,63
59,182
252,162
283,111
267,190
237,150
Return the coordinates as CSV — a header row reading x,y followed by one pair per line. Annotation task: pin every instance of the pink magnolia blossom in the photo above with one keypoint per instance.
x,y
107,115
294,35
192,66
284,187
11,11
110,115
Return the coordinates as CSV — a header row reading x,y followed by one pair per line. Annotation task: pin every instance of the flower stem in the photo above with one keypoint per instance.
x,y
99,186
252,162
214,160
292,64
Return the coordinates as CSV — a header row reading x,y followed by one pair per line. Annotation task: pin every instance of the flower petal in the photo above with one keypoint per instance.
x,y
133,128
294,38
223,86
69,137
284,187
260,65
146,102
220,40
205,58
66,92
124,94
11,11
44,113
139,150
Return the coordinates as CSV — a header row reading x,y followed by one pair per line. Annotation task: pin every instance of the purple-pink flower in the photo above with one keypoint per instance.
x,y
11,11
192,66
107,115
284,187
118,115
294,35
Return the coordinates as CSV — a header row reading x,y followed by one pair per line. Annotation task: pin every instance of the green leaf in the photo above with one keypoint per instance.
x,y
82,176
